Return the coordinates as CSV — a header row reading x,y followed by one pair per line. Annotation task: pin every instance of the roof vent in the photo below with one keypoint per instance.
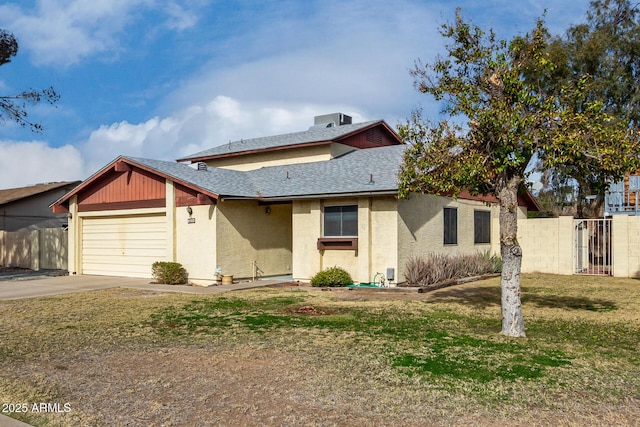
x,y
202,166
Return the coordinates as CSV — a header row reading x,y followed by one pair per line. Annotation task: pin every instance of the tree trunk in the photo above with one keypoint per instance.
x,y
512,320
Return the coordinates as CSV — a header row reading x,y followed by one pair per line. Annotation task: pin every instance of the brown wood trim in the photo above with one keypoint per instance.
x,y
121,166
136,204
338,243
59,209
193,201
203,199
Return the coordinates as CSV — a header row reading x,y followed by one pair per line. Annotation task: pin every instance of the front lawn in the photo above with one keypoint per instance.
x,y
304,356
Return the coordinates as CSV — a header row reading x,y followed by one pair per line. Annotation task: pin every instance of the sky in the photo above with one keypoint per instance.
x,y
162,79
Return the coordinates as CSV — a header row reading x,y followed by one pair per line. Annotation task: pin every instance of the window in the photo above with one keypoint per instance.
x,y
481,227
450,226
341,221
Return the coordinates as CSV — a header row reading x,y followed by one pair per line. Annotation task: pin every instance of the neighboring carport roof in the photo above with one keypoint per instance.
x,y
12,194
313,136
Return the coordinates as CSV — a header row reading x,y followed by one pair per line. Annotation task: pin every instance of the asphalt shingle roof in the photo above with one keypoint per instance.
x,y
359,171
275,141
12,194
224,182
370,170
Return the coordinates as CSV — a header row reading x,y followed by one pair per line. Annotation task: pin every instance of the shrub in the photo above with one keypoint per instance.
x,y
437,267
416,270
170,273
333,276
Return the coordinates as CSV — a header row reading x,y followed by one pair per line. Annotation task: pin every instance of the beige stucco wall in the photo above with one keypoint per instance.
x,y
195,242
626,245
245,233
383,240
547,244
307,226
289,156
420,223
73,237
273,158
377,239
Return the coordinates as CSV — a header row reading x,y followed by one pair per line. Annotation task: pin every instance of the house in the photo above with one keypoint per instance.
x,y
289,204
622,196
30,234
29,206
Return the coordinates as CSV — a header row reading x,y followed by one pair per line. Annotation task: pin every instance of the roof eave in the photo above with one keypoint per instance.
x,y
314,196
255,151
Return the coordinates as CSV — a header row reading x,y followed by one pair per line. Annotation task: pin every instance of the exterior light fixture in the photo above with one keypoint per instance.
x,y
189,210
267,210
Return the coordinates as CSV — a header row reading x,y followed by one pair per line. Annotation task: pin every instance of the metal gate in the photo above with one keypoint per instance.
x,y
592,247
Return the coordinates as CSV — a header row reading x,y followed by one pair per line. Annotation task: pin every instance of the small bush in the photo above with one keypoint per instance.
x,y
416,270
333,277
169,273
437,267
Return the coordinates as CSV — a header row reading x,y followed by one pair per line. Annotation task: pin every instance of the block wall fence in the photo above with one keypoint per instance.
x,y
548,245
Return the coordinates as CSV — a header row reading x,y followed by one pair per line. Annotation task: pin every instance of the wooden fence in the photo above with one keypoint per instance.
x,y
44,249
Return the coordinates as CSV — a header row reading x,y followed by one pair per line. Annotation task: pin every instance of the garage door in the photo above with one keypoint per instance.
x,y
123,245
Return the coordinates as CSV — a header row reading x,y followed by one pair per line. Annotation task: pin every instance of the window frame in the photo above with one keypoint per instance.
x,y
449,234
341,233
481,215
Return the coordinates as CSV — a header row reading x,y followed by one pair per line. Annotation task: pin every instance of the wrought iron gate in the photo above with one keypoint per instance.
x,y
592,253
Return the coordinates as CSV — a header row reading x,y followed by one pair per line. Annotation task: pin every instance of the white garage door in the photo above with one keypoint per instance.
x,y
123,245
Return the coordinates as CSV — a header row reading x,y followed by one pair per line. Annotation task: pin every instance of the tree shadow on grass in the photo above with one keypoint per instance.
x,y
483,297
477,297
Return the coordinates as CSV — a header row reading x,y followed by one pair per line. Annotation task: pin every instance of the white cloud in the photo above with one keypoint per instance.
x,y
196,128
346,53
28,163
192,129
63,32
179,18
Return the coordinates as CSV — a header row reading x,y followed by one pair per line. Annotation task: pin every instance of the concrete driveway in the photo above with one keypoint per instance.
x,y
38,287
45,286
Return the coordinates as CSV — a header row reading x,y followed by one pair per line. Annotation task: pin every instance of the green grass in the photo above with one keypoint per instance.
x,y
581,355
420,341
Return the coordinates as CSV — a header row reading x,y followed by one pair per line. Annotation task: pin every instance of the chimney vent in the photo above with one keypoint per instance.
x,y
337,119
202,166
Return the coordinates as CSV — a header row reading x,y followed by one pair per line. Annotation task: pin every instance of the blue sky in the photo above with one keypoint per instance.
x,y
166,78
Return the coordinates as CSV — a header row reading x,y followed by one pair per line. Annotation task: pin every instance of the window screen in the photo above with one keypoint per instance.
x,y
341,221
481,227
450,226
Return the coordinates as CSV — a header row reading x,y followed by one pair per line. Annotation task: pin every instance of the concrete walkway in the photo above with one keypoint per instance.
x,y
46,286
6,421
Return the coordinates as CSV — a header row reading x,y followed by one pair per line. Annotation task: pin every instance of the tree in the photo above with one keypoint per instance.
x,y
607,48
501,116
14,107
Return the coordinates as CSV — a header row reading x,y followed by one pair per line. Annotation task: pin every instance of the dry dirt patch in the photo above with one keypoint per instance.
x,y
191,387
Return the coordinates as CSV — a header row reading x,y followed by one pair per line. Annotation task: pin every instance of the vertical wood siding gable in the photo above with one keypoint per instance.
x,y
134,186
